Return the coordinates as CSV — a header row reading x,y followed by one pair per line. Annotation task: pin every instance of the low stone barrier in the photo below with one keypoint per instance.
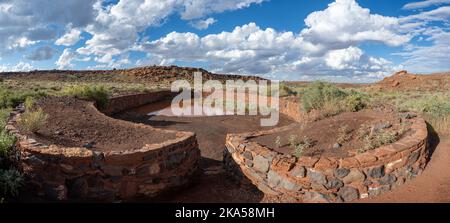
x,y
327,179
125,102
60,173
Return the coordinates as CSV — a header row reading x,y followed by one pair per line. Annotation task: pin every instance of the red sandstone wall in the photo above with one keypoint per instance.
x,y
290,107
60,173
327,179
126,102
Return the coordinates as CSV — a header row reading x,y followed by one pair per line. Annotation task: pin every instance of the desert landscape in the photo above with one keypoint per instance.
x,y
106,136
225,110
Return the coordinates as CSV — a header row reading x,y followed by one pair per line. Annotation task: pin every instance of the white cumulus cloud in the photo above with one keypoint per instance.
x,y
70,38
202,24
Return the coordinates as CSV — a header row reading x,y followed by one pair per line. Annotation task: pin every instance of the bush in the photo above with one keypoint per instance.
x,y
7,142
29,103
286,90
438,106
332,100
355,101
379,139
10,182
95,93
11,99
319,93
4,114
33,120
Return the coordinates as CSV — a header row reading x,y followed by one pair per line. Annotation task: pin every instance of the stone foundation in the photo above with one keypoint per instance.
x,y
127,102
60,173
327,179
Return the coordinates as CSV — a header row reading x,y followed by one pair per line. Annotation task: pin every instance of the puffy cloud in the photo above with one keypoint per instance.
x,y
424,4
202,24
328,44
344,23
116,28
27,22
41,53
343,59
66,59
21,66
70,38
247,49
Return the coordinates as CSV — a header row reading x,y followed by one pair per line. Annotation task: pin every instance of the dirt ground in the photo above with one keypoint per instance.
x,y
74,123
212,185
325,133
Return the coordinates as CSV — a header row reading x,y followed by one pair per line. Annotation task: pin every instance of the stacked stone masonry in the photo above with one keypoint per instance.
x,y
60,173
326,179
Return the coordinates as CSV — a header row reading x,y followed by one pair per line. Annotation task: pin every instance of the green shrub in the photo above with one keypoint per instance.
x,y
379,139
29,103
355,101
7,142
11,98
286,90
33,120
435,105
4,114
99,94
319,93
300,147
10,182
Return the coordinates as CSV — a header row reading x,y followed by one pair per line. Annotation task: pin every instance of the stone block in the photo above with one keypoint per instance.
x,y
298,172
348,193
354,176
261,164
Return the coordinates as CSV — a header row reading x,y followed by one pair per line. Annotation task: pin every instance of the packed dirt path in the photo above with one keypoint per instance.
x,y
432,186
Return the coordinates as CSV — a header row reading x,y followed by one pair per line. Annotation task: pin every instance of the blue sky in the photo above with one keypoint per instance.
x,y
341,41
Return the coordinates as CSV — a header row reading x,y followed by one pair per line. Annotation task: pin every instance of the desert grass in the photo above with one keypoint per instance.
x,y
433,106
96,93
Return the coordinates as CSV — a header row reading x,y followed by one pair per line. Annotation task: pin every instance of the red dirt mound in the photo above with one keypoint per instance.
x,y
151,74
405,81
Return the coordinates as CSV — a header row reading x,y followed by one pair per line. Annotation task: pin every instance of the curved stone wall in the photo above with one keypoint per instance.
x,y
60,173
326,179
126,102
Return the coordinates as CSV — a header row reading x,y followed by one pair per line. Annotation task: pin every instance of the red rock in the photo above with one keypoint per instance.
x,y
307,161
349,162
366,159
325,164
